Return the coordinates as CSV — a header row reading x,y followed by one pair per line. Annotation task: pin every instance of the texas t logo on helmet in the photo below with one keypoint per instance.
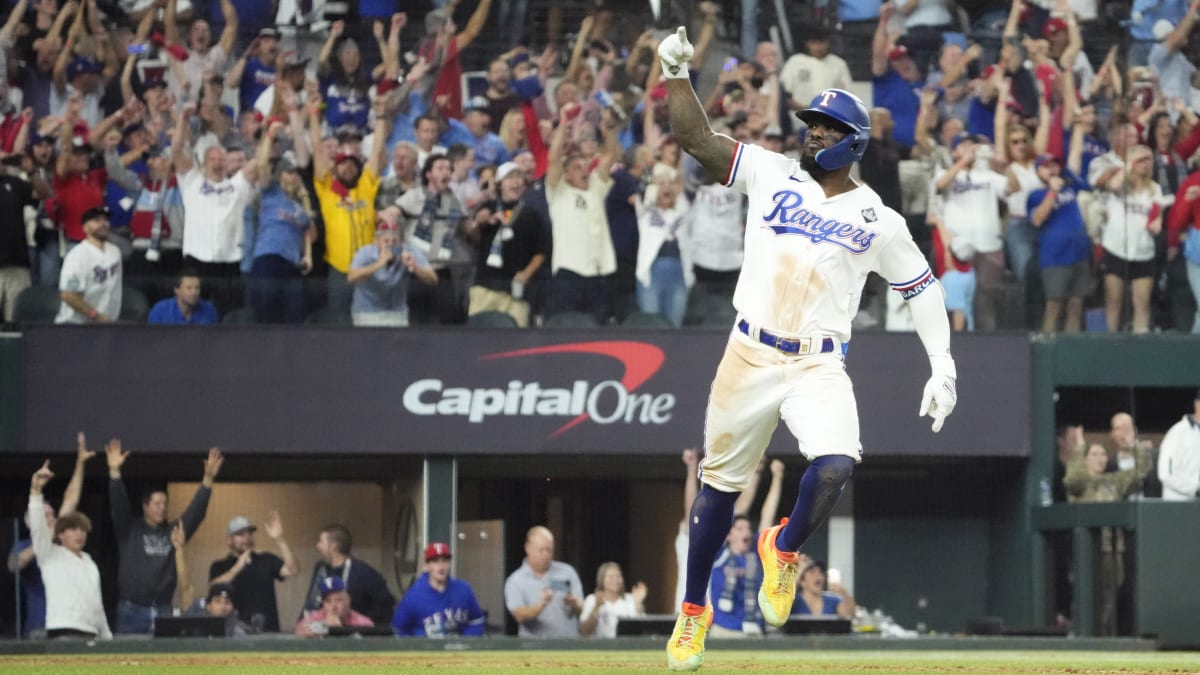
x,y
849,114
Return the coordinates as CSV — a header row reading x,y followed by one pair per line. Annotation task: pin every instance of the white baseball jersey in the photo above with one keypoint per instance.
x,y
94,273
971,207
807,256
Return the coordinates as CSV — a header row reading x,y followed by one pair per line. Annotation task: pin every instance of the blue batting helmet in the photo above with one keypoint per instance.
x,y
848,112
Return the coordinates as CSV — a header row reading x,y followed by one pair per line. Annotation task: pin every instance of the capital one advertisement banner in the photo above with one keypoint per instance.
x,y
467,391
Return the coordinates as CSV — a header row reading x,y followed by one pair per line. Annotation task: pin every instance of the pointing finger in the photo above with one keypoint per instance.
x,y
938,420
682,33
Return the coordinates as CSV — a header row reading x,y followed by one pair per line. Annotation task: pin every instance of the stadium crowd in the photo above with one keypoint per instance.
x,y
246,162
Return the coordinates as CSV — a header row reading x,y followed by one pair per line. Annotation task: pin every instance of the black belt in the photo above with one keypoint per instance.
x,y
786,345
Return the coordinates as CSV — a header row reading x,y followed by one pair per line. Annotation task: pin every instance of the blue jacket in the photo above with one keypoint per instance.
x,y
427,612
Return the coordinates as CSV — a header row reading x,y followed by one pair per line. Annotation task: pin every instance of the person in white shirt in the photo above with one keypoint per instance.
x,y
610,602
1133,218
1179,457
214,204
74,605
806,75
971,194
718,234
90,283
664,258
203,58
583,259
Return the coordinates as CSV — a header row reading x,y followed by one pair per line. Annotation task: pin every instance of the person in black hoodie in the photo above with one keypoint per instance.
x,y
146,575
369,594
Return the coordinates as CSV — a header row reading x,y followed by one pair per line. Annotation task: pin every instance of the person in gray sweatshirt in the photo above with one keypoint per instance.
x,y
146,574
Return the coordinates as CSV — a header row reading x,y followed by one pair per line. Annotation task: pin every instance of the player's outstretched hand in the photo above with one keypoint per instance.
x,y
940,395
675,51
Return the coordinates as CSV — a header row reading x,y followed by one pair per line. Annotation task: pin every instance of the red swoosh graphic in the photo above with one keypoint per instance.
x,y
640,360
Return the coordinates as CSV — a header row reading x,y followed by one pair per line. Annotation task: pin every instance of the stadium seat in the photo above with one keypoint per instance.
x,y
326,316
709,310
492,319
36,304
134,305
646,320
570,320
242,315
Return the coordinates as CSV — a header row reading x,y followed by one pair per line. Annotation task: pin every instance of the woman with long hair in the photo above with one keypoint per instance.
x,y
345,86
1169,168
1018,146
610,602
1133,218
664,259
282,251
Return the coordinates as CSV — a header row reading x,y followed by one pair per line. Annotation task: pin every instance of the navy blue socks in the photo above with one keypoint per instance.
x,y
708,526
820,487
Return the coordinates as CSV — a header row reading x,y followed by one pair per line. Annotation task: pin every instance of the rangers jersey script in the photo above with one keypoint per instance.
x,y
807,256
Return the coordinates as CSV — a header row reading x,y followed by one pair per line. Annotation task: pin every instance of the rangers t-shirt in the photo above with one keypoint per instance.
x,y
95,273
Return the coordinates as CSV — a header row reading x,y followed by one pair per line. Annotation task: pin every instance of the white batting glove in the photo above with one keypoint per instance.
x,y
940,395
674,53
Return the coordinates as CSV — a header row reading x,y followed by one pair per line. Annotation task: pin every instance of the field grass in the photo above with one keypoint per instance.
x,y
579,662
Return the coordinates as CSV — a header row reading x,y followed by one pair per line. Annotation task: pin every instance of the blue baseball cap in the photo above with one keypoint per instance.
x,y
81,65
331,585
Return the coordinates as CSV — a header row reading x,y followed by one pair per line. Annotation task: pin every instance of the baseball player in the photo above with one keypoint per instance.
x,y
812,235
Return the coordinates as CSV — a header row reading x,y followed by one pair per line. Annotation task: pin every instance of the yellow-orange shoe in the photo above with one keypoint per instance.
x,y
779,577
685,651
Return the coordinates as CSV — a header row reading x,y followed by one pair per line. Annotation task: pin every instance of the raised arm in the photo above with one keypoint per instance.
x,y
59,74
335,32
181,139
274,530
956,69
198,507
118,498
474,24
171,22
612,147
577,62
378,158
1041,137
187,592
696,137
39,531
75,487
741,507
262,157
391,51
691,485
126,80
554,166
320,160
233,78
14,18
708,11
770,507
229,35
880,44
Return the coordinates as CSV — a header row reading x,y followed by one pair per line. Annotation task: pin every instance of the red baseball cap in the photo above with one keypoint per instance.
x,y
437,549
1055,25
897,52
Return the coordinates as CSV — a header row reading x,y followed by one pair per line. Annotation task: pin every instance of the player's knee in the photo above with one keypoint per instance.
x,y
834,470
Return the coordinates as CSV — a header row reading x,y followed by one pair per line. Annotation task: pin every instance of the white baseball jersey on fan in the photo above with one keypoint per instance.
x,y
971,207
807,257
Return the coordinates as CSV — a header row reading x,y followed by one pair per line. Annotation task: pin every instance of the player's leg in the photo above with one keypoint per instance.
x,y
821,413
743,410
827,431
